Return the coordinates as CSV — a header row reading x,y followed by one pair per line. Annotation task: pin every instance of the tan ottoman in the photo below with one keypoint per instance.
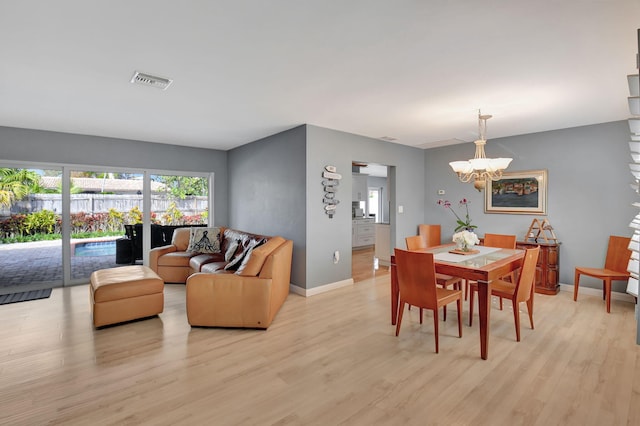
x,y
125,293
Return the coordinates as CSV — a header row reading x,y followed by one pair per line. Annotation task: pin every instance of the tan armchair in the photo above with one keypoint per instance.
x,y
172,262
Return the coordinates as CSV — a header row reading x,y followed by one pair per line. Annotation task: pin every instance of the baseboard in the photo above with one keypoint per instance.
x,y
625,297
320,289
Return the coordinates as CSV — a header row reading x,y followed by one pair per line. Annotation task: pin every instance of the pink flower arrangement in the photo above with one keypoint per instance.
x,y
462,224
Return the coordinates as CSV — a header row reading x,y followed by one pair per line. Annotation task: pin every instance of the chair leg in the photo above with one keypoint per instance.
x,y
444,313
459,301
576,283
466,289
607,287
420,315
471,307
530,310
516,318
435,327
512,279
399,319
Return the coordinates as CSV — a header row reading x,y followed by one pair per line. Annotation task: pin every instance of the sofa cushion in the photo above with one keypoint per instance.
x,y
204,240
176,258
214,268
199,260
258,256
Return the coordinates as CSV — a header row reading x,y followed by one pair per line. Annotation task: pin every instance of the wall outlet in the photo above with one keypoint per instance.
x,y
440,191
336,256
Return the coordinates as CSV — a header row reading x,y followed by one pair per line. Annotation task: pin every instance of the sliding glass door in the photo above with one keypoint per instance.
x,y
59,224
104,210
30,232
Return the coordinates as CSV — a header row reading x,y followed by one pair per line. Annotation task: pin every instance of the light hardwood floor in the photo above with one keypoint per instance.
x,y
326,360
362,265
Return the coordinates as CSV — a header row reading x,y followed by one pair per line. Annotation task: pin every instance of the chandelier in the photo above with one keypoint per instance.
x,y
480,168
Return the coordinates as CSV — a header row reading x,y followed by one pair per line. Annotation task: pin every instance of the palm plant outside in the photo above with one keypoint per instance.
x,y
16,184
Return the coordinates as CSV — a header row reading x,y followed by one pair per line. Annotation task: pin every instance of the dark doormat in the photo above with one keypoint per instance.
x,y
25,296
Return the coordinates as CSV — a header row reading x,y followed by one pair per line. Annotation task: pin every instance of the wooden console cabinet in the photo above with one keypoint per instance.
x,y
548,267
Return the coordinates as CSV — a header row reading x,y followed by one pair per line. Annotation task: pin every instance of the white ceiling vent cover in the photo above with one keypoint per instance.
x,y
151,80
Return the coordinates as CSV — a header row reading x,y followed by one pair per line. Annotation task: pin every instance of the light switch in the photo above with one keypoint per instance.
x,y
400,209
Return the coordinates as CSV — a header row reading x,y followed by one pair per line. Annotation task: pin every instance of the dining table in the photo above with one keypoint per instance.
x,y
484,265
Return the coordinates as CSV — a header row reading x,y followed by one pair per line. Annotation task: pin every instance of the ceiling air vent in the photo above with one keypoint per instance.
x,y
151,80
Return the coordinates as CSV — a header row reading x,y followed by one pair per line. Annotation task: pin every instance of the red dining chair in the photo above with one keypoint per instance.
x,y
416,242
615,268
521,291
430,234
417,284
494,240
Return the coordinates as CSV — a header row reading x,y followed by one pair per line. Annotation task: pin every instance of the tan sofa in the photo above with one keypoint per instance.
x,y
249,296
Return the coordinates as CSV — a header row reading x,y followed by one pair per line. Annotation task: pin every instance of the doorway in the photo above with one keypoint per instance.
x,y
374,204
371,256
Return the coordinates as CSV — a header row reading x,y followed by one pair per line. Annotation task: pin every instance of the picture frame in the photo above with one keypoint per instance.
x,y
523,192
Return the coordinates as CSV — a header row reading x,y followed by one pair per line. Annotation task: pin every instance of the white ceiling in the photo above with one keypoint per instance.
x,y
415,70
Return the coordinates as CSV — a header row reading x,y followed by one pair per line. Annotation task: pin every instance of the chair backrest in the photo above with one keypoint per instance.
x,y
416,274
618,254
527,274
500,240
415,242
180,238
430,234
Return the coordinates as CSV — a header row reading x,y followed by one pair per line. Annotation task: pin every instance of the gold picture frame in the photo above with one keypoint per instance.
x,y
522,192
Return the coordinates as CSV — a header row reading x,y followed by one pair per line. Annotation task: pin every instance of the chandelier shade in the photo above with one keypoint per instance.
x,y
480,168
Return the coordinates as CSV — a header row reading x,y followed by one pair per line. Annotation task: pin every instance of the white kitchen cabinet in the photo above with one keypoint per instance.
x,y
383,243
359,187
363,232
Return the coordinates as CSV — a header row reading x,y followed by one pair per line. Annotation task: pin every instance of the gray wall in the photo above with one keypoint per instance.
x,y
589,197
325,235
267,191
273,186
65,148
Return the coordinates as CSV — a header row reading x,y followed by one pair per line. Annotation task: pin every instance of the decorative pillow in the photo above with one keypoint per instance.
x,y
237,261
247,257
204,240
259,256
231,250
234,264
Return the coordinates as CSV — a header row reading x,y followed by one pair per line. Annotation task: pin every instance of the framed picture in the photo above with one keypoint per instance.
x,y
517,193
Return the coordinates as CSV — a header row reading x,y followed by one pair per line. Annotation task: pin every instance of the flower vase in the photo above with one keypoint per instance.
x,y
465,240
462,246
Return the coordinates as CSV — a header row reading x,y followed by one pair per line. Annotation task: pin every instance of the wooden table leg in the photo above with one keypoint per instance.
x,y
484,302
395,291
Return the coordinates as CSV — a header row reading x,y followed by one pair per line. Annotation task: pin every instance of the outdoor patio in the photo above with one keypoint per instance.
x,y
27,266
